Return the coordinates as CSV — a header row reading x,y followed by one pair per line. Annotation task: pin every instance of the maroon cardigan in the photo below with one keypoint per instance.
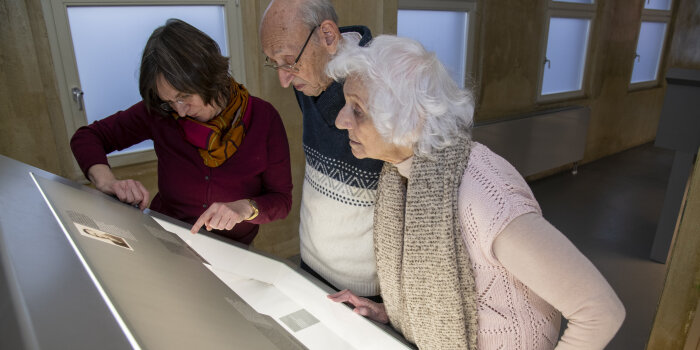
x,y
259,170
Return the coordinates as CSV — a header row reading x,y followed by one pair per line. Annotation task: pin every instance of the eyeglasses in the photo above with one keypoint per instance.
x,y
170,106
289,67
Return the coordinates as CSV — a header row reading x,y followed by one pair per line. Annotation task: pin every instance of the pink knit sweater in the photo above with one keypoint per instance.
x,y
491,195
524,268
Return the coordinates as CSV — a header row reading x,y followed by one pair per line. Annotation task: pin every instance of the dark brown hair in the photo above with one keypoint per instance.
x,y
189,60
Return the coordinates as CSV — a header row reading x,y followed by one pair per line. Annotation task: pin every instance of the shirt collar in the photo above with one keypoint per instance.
x,y
404,167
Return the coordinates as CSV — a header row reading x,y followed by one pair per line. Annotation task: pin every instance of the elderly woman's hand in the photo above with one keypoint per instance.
x,y
223,216
363,306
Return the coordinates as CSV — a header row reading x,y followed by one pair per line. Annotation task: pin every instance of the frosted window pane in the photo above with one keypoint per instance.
x,y
443,32
109,41
649,46
566,52
577,1
657,4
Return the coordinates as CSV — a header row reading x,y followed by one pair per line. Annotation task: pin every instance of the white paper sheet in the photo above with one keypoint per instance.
x,y
275,289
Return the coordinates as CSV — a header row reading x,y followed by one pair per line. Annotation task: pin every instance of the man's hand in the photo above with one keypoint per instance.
x,y
223,216
363,306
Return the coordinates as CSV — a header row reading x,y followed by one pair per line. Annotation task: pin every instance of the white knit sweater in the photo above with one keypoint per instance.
x,y
335,230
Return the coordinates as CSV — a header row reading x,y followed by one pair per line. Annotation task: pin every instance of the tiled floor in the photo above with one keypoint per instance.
x,y
609,210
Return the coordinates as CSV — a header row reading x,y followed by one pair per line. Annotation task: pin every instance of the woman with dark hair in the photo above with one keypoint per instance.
x,y
223,156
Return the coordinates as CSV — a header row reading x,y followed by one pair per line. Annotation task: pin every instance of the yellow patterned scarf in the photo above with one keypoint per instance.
x,y
219,138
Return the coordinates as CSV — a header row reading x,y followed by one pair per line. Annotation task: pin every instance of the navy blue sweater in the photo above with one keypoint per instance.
x,y
324,143
337,205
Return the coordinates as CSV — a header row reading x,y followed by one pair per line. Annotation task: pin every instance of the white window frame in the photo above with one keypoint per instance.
x,y
566,10
661,16
468,6
65,66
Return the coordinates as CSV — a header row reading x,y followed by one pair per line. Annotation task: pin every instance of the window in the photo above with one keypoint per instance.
x,y
98,47
99,36
567,41
443,27
650,43
664,5
648,55
565,52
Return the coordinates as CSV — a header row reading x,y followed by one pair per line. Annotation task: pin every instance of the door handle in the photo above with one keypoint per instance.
x,y
78,97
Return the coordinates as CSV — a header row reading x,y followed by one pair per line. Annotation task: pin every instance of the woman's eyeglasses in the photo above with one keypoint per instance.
x,y
171,106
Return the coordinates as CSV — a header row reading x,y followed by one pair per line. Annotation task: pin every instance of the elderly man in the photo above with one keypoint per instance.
x,y
298,38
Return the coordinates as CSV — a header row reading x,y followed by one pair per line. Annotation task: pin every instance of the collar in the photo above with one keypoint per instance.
x,y
404,167
364,32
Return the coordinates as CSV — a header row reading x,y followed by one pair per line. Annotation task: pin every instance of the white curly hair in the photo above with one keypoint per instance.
x,y
412,99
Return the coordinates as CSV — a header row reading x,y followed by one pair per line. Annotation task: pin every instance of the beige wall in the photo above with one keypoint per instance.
x,y
31,124
685,48
506,71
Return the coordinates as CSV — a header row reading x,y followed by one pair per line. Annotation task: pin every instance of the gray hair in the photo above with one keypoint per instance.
x,y
412,99
313,12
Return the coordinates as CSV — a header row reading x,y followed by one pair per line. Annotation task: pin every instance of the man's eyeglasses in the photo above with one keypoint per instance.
x,y
289,67
170,106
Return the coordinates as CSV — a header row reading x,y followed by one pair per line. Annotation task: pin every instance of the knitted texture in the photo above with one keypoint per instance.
x,y
492,193
423,267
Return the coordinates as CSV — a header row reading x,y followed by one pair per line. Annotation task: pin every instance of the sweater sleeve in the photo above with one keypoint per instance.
x,y
541,257
275,200
91,144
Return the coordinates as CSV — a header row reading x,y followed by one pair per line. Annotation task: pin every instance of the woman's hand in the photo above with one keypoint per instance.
x,y
363,306
223,216
128,191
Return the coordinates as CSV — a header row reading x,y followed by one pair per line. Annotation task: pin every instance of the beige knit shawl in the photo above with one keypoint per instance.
x,y
423,266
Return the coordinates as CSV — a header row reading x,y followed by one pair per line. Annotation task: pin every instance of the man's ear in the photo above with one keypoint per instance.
x,y
330,36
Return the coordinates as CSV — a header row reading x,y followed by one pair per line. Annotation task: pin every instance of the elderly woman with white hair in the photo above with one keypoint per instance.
x,y
464,257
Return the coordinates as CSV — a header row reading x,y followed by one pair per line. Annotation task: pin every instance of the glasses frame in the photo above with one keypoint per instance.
x,y
290,67
168,106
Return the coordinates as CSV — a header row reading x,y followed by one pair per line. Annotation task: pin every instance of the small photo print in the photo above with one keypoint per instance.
x,y
103,236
